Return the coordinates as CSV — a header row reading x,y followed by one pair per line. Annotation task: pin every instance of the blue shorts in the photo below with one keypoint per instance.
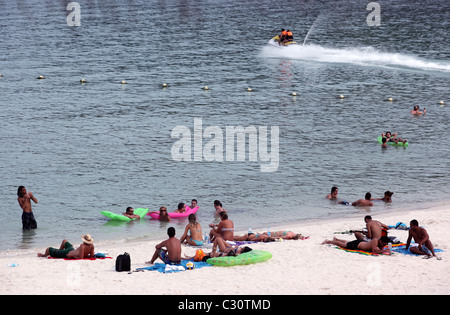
x,y
165,258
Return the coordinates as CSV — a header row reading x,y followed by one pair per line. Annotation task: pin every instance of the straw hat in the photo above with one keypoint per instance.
x,y
87,239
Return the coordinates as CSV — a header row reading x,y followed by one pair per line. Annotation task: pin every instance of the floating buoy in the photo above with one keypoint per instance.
x,y
206,88
1,75
83,80
440,103
40,77
341,96
294,94
390,99
164,85
123,82
249,90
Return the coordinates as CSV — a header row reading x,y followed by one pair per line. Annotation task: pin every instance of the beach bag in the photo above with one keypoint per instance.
x,y
123,262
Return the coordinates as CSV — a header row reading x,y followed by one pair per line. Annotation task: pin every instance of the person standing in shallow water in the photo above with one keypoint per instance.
x,y
24,199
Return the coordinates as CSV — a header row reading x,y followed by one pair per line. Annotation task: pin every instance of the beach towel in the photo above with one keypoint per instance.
x,y
402,250
361,252
166,268
96,256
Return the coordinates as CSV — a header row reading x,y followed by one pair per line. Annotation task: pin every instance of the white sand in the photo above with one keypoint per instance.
x,y
297,267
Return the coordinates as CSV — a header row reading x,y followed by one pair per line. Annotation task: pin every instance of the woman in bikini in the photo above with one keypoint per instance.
x,y
225,229
195,230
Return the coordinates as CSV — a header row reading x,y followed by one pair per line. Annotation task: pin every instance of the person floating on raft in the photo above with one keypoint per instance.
x,y
393,138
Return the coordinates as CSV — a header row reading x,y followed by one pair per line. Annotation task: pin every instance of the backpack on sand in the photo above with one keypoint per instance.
x,y
123,262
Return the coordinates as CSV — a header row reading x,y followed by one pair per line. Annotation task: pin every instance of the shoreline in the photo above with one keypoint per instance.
x,y
296,224
297,267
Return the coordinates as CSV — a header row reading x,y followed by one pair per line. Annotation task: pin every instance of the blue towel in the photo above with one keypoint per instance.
x,y
161,267
402,250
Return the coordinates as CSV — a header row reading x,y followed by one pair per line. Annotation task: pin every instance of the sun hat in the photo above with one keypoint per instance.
x,y
87,239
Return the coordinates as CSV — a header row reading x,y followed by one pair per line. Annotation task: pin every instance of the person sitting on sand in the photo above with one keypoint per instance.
x,y
423,245
129,213
374,246
375,230
392,138
364,202
181,208
417,112
66,250
225,229
169,251
195,230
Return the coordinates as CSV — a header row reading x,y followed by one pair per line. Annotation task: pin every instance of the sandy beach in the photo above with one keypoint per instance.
x,y
297,267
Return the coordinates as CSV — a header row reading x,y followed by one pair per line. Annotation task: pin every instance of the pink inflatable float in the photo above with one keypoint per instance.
x,y
189,210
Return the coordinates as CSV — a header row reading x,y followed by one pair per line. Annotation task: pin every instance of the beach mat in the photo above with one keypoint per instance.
x,y
165,268
361,252
93,258
402,250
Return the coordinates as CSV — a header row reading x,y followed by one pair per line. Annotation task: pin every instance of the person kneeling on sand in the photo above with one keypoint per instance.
x,y
423,245
374,246
172,253
66,250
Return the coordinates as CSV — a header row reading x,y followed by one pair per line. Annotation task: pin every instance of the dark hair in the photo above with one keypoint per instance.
x,y
19,191
385,239
223,215
367,217
194,200
368,196
217,203
388,193
180,205
333,189
414,222
129,208
246,249
171,231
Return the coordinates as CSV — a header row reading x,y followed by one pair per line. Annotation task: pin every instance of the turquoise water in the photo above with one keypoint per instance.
x,y
103,145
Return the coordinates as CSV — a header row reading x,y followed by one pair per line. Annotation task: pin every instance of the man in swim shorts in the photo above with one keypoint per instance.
x,y
66,250
423,245
169,251
24,198
374,246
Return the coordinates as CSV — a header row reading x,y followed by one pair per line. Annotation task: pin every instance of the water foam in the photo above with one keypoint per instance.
x,y
366,56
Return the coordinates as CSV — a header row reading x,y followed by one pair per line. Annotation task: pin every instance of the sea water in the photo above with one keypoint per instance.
x,y
104,146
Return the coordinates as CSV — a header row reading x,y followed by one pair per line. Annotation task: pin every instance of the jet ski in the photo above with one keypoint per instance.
x,y
274,42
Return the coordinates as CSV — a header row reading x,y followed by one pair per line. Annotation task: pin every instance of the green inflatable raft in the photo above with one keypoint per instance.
x,y
120,217
255,256
400,144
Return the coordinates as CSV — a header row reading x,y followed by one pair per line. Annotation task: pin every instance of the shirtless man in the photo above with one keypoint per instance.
x,y
375,230
181,208
225,229
66,250
364,202
374,246
130,213
417,112
392,137
423,245
24,199
169,251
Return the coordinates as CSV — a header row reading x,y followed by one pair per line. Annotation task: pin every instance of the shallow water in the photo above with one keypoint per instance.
x,y
84,148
